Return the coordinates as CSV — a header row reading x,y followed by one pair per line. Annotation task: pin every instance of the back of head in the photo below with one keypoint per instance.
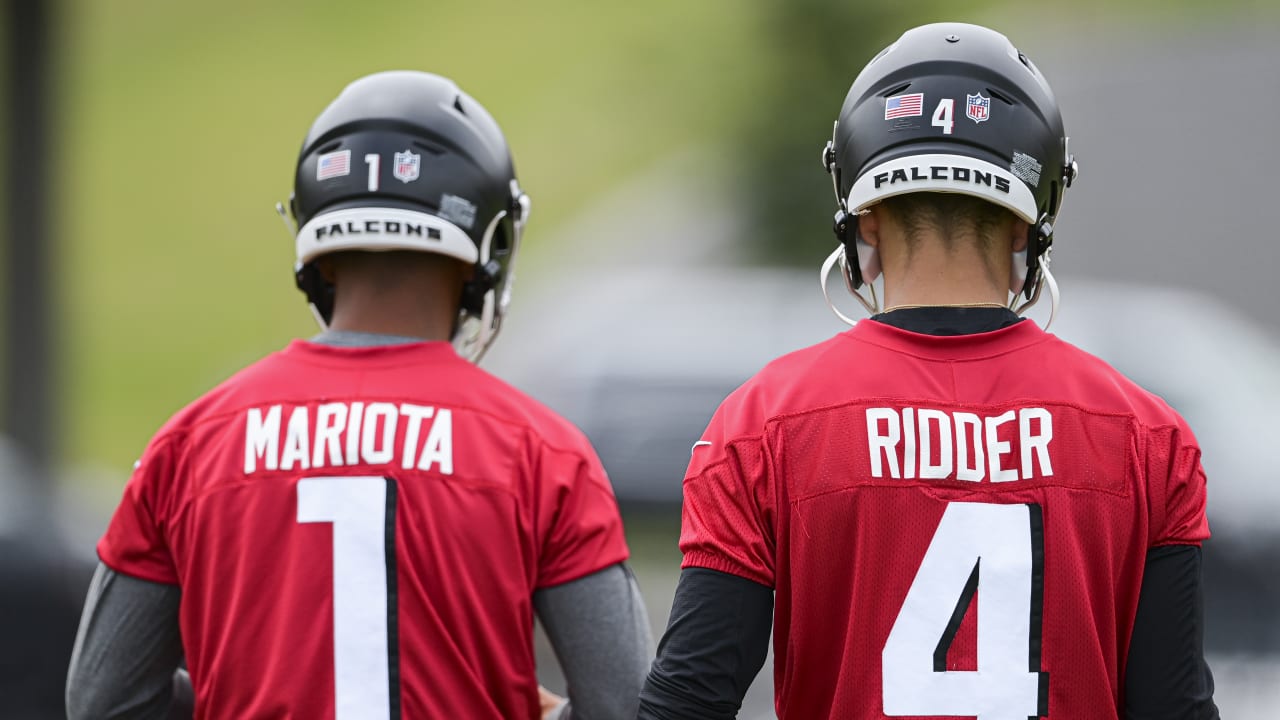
x,y
956,109
950,217
405,160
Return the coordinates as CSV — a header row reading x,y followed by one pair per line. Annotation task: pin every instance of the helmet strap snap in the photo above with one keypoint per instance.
x,y
482,282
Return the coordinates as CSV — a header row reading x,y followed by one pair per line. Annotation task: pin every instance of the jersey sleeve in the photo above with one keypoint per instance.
x,y
578,522
135,543
728,515
1178,503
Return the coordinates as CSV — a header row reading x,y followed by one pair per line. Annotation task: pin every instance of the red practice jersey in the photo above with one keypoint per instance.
x,y
358,532
955,527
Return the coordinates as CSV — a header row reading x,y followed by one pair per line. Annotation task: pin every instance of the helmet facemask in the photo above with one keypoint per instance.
x,y
487,295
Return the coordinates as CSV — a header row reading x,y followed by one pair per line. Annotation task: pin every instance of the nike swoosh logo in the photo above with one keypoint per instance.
x,y
699,443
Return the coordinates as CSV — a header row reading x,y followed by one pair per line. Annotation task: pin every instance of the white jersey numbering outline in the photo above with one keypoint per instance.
x,y
365,644
996,553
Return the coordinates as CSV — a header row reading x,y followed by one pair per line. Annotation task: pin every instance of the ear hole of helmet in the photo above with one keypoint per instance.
x,y
319,293
845,228
1033,261
474,290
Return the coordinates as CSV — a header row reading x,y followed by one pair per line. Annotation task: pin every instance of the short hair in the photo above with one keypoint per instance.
x,y
952,215
389,260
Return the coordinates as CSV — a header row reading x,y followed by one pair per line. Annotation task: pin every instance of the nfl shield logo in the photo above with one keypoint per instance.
x,y
406,166
978,108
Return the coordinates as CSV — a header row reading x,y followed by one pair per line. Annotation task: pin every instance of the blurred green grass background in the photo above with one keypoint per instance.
x,y
180,124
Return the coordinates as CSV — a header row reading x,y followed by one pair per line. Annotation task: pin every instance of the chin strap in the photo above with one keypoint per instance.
x,y
288,221
1044,277
837,257
872,304
1040,242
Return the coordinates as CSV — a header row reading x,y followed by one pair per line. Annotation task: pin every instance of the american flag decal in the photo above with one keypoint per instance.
x,y
334,164
900,106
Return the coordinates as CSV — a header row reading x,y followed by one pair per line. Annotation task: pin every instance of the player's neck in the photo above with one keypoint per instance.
x,y
930,295
386,314
406,294
408,330
947,281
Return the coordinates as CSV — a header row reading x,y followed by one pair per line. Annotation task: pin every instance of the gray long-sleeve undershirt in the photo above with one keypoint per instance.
x,y
600,631
128,648
127,651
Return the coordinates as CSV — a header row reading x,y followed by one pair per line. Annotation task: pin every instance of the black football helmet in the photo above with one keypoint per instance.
x,y
405,160
953,108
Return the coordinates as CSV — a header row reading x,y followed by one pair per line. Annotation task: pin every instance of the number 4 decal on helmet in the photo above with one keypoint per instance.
x,y
944,114
996,553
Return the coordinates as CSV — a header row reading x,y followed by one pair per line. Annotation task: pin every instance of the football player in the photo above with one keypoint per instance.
x,y
948,512
363,525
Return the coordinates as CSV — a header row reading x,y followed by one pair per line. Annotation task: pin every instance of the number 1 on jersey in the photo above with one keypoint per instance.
x,y
993,553
362,511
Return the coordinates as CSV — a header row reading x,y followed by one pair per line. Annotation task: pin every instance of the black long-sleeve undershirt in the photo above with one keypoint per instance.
x,y
718,634
715,644
1167,676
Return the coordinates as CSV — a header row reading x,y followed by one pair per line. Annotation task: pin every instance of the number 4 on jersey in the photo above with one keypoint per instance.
x,y
993,552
